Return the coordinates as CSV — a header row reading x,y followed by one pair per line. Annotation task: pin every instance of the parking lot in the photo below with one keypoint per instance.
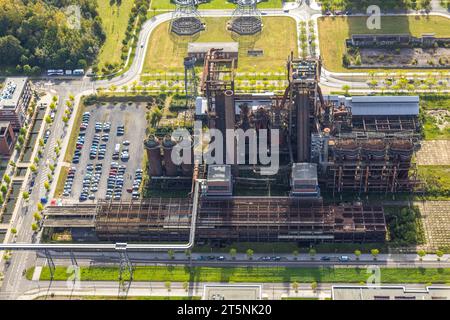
x,y
103,166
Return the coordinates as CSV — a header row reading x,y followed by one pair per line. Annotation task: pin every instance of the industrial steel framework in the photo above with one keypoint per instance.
x,y
186,20
240,219
371,163
190,81
246,19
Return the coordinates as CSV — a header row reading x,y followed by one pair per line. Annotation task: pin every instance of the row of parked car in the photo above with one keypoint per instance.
x,y
98,150
102,126
136,184
81,137
91,181
69,181
115,181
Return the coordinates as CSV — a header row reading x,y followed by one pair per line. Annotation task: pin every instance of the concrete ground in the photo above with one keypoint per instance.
x,y
133,117
433,153
436,223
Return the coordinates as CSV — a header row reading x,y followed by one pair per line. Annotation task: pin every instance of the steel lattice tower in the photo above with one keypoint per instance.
x,y
246,19
186,20
190,81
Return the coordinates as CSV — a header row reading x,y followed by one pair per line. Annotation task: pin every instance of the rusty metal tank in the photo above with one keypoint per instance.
x,y
170,167
153,149
186,168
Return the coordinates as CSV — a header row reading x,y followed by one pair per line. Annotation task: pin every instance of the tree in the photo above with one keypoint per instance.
x,y
48,119
26,195
40,207
421,254
34,227
375,253
4,188
10,50
47,185
168,285
33,168
346,89
171,254
186,286
439,254
295,286
233,253
250,254
357,254
14,231
37,216
295,254
312,253
188,253
314,286
7,179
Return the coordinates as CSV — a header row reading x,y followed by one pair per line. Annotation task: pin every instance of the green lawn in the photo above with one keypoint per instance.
x,y
214,4
74,133
115,22
333,31
256,274
278,38
127,298
61,181
432,129
437,179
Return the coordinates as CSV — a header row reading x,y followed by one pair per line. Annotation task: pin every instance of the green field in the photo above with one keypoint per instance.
x,y
333,31
213,4
433,125
166,52
115,22
255,274
437,179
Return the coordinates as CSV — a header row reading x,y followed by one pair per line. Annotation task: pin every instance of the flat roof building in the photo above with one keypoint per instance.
x,y
232,292
389,293
378,105
200,49
14,99
385,105
7,138
219,180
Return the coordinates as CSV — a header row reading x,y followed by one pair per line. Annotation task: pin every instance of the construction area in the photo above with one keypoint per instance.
x,y
324,145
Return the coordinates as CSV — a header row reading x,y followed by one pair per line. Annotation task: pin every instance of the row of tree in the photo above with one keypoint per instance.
x,y
362,5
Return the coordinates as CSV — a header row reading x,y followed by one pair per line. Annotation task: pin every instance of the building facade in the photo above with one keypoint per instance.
x,y
14,100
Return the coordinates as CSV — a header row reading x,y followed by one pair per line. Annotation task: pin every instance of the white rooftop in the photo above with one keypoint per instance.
x,y
11,91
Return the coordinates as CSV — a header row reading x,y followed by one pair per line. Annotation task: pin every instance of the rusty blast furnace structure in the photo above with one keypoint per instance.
x,y
329,146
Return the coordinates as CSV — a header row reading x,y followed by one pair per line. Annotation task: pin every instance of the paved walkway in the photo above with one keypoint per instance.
x,y
434,152
436,223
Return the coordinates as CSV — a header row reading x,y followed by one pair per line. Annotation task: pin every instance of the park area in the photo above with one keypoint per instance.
x,y
166,51
114,21
333,31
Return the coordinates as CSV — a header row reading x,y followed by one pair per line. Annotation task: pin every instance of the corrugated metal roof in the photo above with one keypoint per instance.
x,y
378,99
385,105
